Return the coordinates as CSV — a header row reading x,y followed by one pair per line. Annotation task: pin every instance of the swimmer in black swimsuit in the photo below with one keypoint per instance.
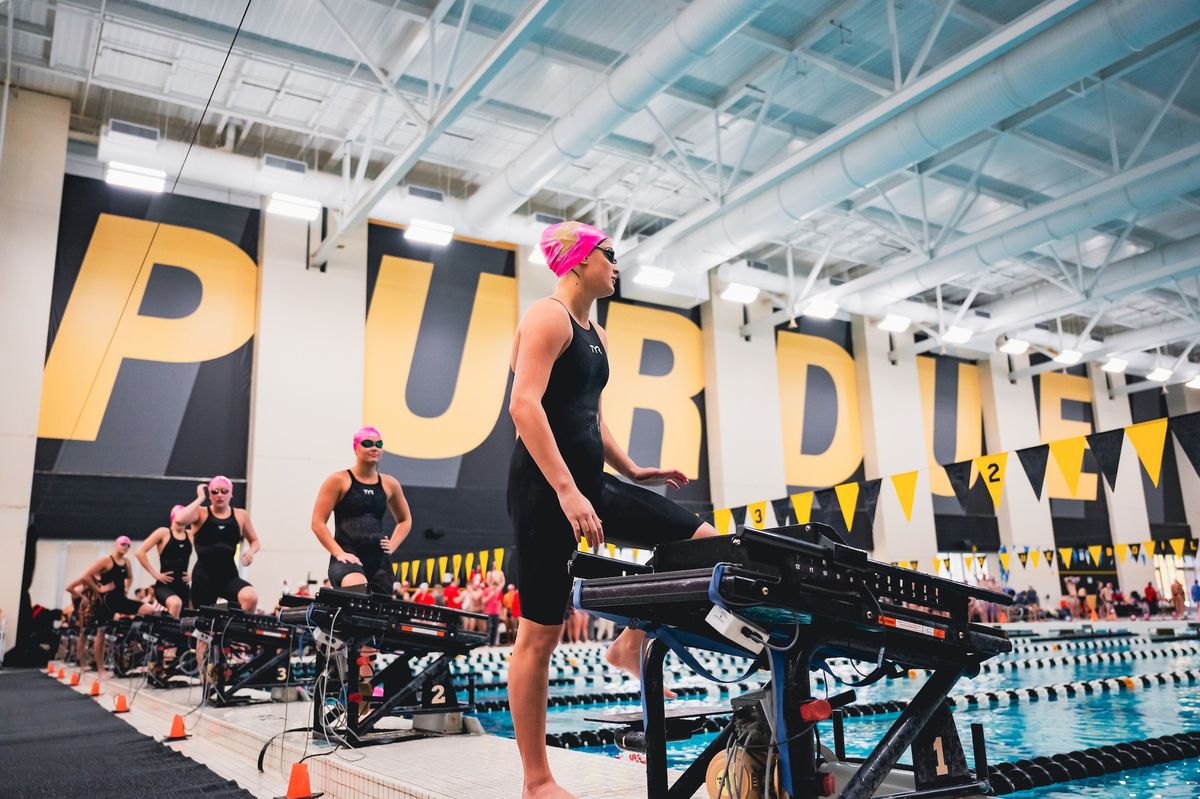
x,y
558,491
172,583
360,549
217,531
108,580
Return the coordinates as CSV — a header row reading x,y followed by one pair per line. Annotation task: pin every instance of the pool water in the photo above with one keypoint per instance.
x,y
1013,730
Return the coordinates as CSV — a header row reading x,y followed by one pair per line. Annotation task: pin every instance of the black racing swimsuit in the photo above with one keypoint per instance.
x,y
631,514
115,601
358,529
173,560
215,575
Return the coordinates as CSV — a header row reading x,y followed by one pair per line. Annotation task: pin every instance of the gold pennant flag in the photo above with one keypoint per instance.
x,y
1148,439
1121,549
1148,547
756,514
1005,557
456,562
1095,551
498,558
404,572
1177,545
1023,557
582,546
1068,454
470,561
906,491
1035,556
429,570
395,566
802,504
847,497
483,559
612,550
991,472
1066,554
443,562
416,571
722,517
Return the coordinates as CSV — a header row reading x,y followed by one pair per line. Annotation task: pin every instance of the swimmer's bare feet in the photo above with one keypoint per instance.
x,y
546,790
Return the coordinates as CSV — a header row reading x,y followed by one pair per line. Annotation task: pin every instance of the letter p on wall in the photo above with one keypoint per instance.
x,y
82,367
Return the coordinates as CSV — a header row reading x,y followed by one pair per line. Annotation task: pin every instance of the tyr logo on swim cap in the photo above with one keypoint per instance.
x,y
568,243
366,432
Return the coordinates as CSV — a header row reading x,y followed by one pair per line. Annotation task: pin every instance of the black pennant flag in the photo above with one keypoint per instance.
x,y
1033,461
1106,447
739,517
707,516
1187,433
960,480
783,511
826,510
868,498
1023,557
1135,550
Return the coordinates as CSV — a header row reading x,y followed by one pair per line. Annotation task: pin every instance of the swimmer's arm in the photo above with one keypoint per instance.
x,y
89,576
75,587
144,550
192,511
327,497
249,536
544,333
400,512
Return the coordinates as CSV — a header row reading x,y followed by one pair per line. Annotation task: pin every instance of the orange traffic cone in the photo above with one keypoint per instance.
x,y
61,672
50,669
95,689
74,679
122,705
298,787
177,733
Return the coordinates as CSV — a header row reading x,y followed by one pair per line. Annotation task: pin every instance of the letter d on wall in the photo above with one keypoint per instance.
x,y
104,305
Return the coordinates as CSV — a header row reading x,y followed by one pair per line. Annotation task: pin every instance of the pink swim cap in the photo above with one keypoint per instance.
x,y
220,479
174,510
123,539
568,243
366,432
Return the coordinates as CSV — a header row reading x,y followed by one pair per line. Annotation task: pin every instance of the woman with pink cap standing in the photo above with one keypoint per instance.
x,y
108,582
217,532
558,492
172,583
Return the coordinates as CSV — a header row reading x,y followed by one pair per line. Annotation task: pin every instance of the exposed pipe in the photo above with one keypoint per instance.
x,y
1131,342
12,12
692,35
1079,46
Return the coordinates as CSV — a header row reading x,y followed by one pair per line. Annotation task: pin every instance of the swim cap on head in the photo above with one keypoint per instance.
x,y
568,243
366,432
174,510
123,539
220,479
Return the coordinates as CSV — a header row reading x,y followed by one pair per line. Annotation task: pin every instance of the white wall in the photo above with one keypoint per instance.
x,y
307,395
31,181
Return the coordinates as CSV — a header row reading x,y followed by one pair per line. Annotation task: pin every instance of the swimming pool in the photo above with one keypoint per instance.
x,y
1019,723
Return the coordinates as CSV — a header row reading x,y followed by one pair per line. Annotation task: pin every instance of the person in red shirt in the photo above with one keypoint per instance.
x,y
453,595
424,596
1151,595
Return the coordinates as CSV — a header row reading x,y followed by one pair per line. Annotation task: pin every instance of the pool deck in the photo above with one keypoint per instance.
x,y
228,740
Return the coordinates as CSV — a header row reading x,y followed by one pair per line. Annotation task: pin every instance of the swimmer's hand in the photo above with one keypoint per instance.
x,y
582,516
247,557
648,476
346,557
386,545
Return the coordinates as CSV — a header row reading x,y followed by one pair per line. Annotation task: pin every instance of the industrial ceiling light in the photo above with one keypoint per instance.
x,y
429,232
1194,382
740,292
1015,346
895,323
1160,374
958,335
821,309
536,256
1115,365
1068,357
294,207
654,277
131,176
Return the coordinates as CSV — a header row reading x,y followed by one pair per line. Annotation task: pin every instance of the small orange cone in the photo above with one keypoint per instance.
x,y
122,705
50,669
298,787
177,733
74,679
61,673
95,689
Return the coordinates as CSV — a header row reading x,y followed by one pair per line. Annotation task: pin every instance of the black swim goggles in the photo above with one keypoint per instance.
x,y
368,443
609,253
